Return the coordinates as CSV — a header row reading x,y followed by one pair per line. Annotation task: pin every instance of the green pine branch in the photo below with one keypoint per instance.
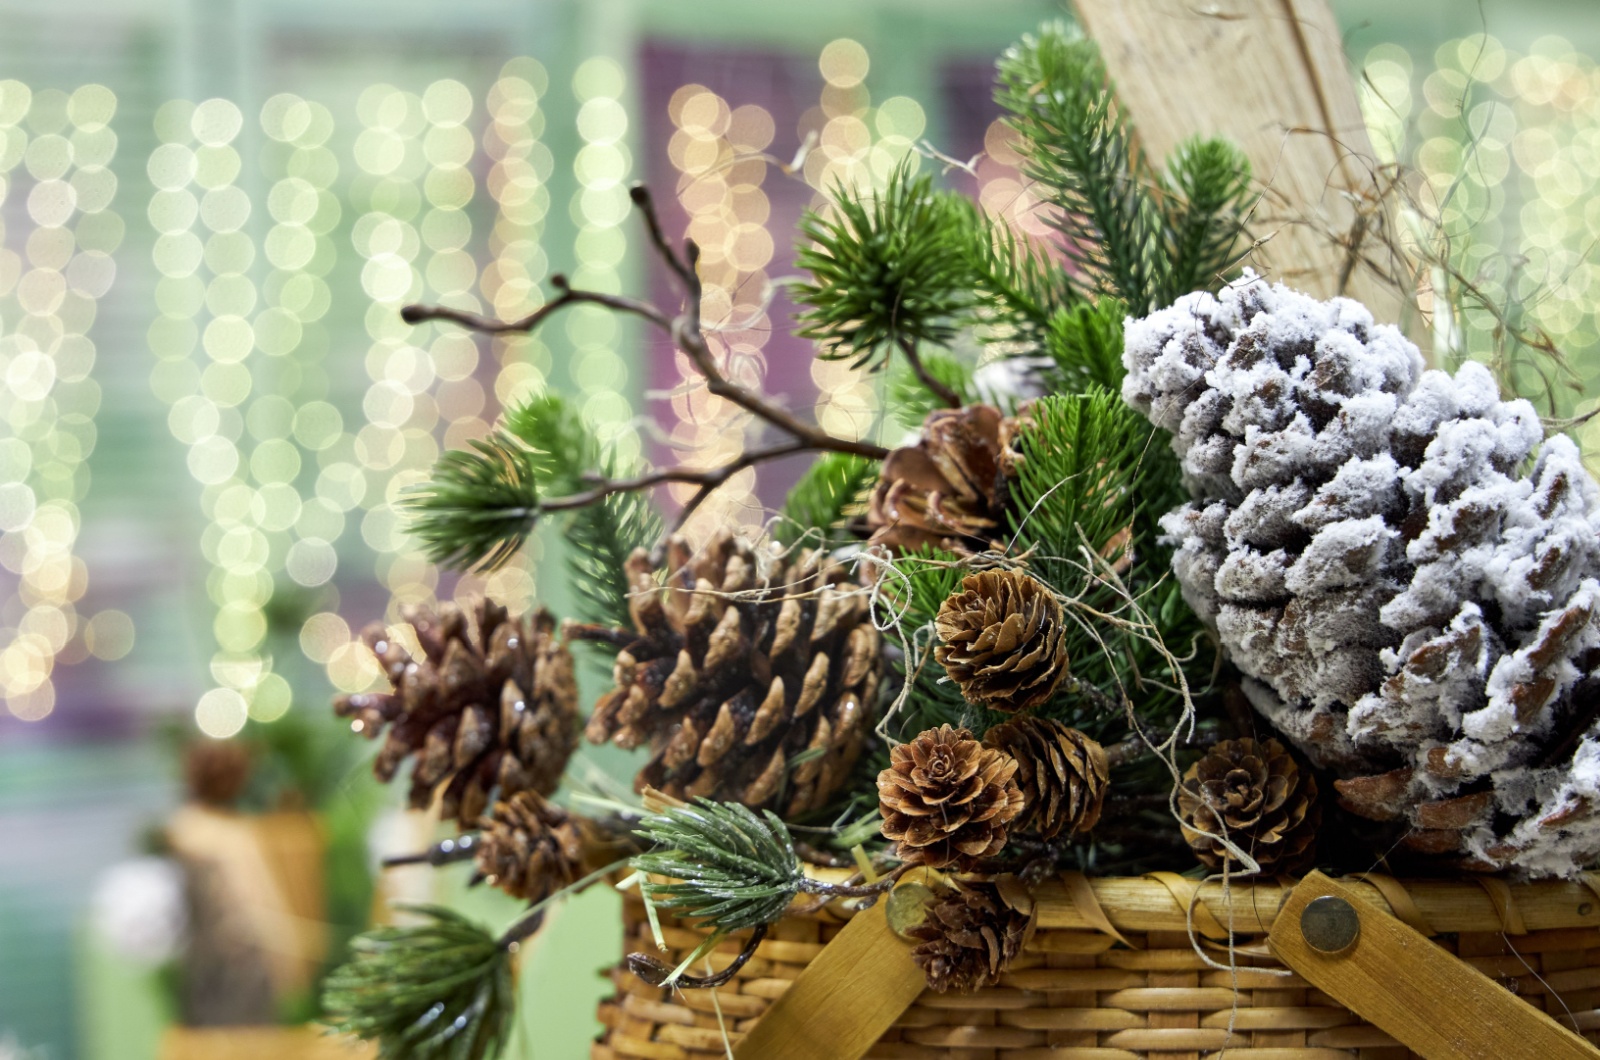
x,y
1023,286
1081,149
724,866
1085,342
1208,194
439,990
822,498
888,269
601,536
480,504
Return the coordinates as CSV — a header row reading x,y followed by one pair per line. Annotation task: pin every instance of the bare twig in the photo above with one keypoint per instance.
x,y
938,389
656,972
689,336
444,852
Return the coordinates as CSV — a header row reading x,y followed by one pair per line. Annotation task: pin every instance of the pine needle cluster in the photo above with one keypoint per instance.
x,y
439,990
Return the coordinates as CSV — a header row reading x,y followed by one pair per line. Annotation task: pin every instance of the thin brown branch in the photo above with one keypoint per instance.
x,y
937,388
657,972
416,314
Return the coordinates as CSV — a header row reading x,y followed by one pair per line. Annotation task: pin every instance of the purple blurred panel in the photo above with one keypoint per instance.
x,y
966,92
786,85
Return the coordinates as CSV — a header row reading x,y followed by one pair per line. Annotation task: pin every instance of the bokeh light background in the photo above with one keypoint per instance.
x,y
209,221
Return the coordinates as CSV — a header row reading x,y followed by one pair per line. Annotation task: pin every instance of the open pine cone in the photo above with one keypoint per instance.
x,y
1063,774
530,848
1254,793
969,938
492,704
742,662
946,799
947,490
1003,640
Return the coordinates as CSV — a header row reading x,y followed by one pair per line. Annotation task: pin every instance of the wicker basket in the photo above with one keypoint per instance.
x,y
1078,992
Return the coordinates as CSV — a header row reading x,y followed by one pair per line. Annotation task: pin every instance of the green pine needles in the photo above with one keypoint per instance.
x,y
888,270
480,505
601,536
818,504
728,868
1129,231
439,990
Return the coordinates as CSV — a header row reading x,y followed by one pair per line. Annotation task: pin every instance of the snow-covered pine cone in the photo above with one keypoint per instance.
x,y
492,706
740,663
1402,564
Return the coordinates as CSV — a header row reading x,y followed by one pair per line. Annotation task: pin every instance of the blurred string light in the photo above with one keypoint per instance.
x,y
204,341
56,151
1507,145
719,152
600,208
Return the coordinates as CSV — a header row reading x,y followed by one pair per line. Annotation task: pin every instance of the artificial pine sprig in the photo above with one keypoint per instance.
x,y
480,504
603,534
438,990
1085,342
1081,149
718,863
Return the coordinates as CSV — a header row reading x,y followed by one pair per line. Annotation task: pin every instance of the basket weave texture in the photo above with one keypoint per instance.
x,y
1079,995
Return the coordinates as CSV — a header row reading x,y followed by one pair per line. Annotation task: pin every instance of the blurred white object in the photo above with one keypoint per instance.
x,y
1008,381
139,908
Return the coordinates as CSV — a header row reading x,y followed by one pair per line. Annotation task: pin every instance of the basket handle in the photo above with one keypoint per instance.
x,y
1396,979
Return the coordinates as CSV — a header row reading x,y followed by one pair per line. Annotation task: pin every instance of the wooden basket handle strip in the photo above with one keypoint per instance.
x,y
1505,906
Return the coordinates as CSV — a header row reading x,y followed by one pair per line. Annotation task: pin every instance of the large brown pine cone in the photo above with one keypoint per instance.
x,y
947,490
1003,640
969,938
947,800
492,704
1254,793
531,848
743,661
1063,774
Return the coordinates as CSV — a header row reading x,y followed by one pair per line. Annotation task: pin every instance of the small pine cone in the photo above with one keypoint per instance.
x,y
946,491
1253,792
1063,774
531,848
1003,640
492,705
741,662
970,937
946,799
215,771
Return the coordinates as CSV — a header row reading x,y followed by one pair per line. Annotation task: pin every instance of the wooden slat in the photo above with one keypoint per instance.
x,y
1420,993
1271,75
1138,904
844,1000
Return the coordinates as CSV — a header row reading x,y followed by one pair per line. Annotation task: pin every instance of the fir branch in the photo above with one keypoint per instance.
x,y
888,270
601,535
725,867
1081,149
1024,285
1085,342
822,497
479,505
1208,195
440,990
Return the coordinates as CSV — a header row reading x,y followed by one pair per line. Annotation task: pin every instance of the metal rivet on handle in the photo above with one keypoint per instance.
x,y
1330,924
